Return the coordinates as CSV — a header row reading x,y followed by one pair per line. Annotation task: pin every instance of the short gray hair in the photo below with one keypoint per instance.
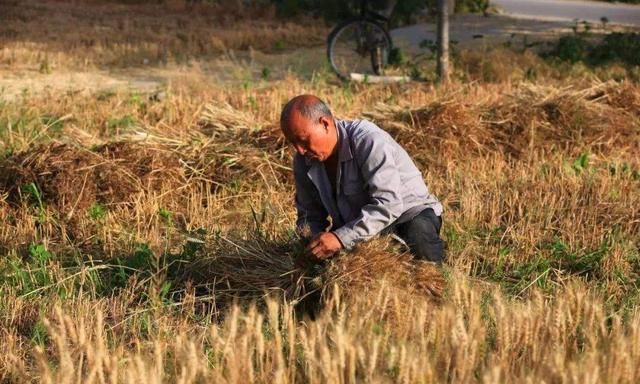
x,y
309,107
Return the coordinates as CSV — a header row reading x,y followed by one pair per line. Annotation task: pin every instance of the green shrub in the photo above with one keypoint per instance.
x,y
332,11
473,6
623,47
571,48
617,46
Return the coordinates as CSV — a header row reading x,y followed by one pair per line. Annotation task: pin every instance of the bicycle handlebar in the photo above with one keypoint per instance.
x,y
365,11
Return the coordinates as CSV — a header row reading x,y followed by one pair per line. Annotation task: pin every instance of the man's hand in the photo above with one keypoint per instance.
x,y
323,246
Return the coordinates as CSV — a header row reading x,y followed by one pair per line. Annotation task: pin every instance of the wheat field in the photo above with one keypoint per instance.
x,y
148,237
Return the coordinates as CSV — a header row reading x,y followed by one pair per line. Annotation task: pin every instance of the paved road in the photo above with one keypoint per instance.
x,y
558,10
537,19
474,30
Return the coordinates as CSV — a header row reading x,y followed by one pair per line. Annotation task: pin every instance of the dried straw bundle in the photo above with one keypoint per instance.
x,y
530,116
222,119
225,123
72,178
247,268
240,144
382,262
252,268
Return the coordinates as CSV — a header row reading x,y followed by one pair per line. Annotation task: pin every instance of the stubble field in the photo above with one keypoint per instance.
x,y
148,237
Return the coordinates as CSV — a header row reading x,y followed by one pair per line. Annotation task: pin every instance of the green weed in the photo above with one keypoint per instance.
x,y
34,196
97,211
581,163
114,124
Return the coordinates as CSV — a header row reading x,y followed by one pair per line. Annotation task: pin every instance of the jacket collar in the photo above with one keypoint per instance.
x,y
344,142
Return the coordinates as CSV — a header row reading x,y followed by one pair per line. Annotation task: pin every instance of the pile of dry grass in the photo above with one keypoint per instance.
x,y
253,267
380,262
240,144
600,116
70,179
228,144
541,116
443,126
223,122
246,268
167,168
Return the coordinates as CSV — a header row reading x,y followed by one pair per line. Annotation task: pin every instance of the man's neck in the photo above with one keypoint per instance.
x,y
332,159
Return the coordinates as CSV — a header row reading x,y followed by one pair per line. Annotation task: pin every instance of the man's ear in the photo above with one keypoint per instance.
x,y
325,123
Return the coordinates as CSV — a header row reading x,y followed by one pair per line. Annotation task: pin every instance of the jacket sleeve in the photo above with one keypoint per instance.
x,y
376,159
311,212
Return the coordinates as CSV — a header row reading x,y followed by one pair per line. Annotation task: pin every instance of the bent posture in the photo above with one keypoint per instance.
x,y
356,180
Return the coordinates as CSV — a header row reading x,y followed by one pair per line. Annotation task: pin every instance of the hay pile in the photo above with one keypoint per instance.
x,y
603,116
247,268
240,144
228,125
380,261
70,179
251,268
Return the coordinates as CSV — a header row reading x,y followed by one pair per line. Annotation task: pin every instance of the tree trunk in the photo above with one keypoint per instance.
x,y
443,41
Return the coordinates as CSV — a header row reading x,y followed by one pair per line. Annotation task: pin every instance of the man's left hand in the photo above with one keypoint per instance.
x,y
323,246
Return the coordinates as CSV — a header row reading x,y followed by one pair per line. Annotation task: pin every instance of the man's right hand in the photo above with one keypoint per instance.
x,y
323,246
302,261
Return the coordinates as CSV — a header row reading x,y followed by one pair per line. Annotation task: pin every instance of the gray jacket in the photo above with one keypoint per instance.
x,y
378,185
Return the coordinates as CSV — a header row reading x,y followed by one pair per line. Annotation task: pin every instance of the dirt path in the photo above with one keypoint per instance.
x,y
233,68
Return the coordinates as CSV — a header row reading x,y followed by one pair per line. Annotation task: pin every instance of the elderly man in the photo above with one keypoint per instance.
x,y
355,175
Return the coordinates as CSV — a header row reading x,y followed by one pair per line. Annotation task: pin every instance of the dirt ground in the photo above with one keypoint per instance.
x,y
232,68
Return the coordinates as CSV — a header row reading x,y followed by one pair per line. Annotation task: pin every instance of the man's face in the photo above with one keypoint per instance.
x,y
315,140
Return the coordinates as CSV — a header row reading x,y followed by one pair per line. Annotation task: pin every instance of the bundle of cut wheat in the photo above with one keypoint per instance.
x,y
254,267
72,178
528,117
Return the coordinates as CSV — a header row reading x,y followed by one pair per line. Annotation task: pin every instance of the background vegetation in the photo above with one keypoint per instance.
x,y
148,236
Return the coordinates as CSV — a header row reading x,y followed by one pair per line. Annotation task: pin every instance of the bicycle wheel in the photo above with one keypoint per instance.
x,y
358,46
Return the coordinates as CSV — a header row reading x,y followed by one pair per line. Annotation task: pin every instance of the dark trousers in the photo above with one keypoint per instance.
x,y
422,235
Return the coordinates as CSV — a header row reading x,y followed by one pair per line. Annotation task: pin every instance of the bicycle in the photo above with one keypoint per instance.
x,y
360,45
